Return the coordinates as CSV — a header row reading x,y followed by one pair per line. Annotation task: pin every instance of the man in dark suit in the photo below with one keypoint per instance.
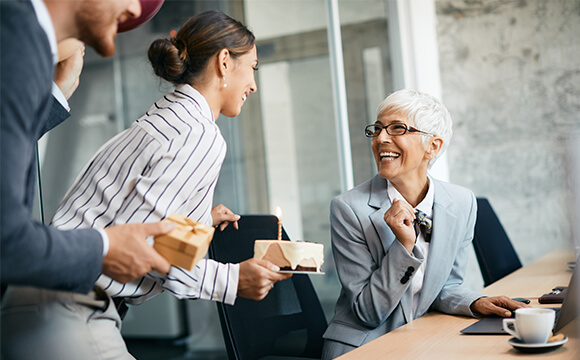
x,y
31,253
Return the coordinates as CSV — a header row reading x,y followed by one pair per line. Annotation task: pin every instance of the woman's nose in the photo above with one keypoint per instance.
x,y
253,87
383,135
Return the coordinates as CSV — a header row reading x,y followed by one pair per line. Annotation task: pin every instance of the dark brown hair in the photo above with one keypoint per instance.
x,y
181,59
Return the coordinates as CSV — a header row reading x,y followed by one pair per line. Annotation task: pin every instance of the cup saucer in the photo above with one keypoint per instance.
x,y
536,348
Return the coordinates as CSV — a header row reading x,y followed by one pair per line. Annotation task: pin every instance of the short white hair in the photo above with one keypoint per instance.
x,y
426,111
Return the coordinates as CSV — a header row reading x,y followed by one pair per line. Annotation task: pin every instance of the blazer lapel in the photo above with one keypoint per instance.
x,y
379,201
442,245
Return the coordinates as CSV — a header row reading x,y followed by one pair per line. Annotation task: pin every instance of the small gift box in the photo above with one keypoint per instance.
x,y
185,245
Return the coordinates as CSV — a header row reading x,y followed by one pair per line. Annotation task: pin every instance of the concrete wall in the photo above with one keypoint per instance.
x,y
511,79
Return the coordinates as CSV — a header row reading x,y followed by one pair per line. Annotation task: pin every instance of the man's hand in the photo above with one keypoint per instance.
x,y
496,305
400,217
222,216
68,70
257,278
130,256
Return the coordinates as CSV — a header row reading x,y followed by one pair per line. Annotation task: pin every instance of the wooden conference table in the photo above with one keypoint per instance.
x,y
437,336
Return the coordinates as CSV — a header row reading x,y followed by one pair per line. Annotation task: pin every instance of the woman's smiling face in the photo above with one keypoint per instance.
x,y
399,158
240,83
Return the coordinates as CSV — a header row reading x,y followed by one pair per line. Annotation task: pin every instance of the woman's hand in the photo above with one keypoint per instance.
x,y
400,217
257,278
222,216
496,305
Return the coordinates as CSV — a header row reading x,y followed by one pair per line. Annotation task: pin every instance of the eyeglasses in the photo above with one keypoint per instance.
x,y
393,129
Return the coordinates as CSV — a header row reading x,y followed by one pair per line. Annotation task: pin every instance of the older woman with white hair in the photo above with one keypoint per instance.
x,y
401,239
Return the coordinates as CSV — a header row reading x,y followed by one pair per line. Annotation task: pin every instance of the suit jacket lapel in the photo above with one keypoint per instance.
x,y
442,245
379,200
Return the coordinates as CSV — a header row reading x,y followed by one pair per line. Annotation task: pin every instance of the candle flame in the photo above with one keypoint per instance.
x,y
278,212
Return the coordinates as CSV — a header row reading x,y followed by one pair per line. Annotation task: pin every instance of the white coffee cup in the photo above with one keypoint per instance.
x,y
531,325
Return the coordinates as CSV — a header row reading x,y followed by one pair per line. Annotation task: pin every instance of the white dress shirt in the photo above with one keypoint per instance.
x,y
422,246
167,162
45,22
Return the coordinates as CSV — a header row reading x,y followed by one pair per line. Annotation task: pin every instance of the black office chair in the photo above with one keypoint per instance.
x,y
288,323
494,251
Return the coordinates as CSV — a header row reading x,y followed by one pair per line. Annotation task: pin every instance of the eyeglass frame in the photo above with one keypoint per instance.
x,y
386,128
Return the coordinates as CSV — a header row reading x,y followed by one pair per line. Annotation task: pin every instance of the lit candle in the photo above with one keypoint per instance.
x,y
279,215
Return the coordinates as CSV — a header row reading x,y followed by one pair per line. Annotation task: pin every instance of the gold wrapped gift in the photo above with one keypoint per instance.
x,y
185,245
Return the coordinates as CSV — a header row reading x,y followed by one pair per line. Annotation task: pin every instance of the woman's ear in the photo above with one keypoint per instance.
x,y
433,147
224,61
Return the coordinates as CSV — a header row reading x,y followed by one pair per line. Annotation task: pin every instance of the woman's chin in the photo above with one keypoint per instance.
x,y
231,113
386,170
385,174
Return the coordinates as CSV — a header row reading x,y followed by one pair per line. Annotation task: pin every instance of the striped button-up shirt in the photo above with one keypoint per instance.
x,y
167,162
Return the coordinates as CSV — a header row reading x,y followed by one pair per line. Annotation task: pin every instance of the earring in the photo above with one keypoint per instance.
x,y
225,85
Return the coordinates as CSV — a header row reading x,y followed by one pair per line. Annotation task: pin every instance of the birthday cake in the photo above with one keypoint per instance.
x,y
291,255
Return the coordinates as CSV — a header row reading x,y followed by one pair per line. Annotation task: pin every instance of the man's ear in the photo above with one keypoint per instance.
x,y
433,147
224,61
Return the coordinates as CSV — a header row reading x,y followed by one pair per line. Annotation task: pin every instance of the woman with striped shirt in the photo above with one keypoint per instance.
x,y
167,162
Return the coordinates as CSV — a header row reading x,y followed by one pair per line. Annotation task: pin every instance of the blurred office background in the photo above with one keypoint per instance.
x,y
507,70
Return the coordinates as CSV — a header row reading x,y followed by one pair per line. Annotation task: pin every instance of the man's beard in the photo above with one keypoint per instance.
x,y
95,32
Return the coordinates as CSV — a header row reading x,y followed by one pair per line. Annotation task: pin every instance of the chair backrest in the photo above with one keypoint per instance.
x,y
289,322
494,251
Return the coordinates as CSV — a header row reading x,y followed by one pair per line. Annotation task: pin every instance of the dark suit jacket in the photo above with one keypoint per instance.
x,y
31,253
56,116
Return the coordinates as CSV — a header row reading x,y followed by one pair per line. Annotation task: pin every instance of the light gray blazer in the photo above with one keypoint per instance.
x,y
376,271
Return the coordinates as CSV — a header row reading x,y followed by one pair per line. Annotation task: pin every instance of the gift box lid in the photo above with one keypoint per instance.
x,y
188,237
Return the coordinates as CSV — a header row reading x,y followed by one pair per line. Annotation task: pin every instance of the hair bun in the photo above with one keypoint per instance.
x,y
181,47
167,59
